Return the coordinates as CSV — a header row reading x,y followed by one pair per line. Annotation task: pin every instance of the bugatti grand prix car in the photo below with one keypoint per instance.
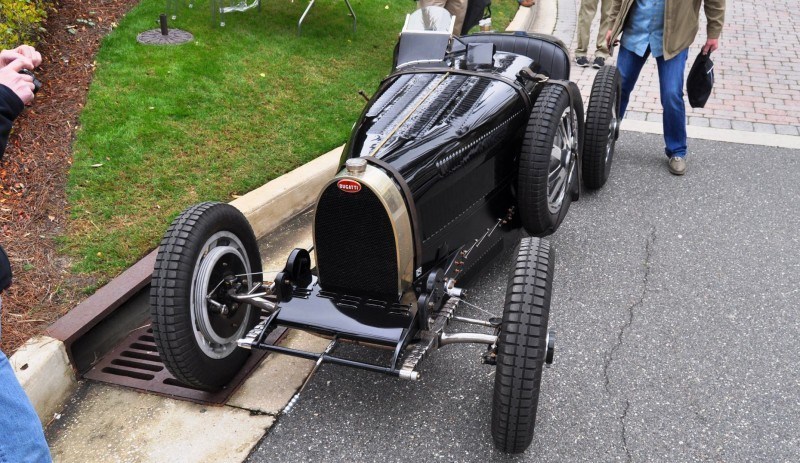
x,y
467,142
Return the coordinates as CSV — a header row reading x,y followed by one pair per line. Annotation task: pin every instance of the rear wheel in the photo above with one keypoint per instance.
x,y
602,127
522,346
208,252
548,162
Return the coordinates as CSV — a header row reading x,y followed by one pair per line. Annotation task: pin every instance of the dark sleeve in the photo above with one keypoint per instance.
x,y
10,107
5,270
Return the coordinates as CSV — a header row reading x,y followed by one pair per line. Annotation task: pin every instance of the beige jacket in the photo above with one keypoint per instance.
x,y
681,21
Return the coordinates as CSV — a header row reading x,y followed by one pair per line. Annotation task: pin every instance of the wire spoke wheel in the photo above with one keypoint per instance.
x,y
548,166
562,162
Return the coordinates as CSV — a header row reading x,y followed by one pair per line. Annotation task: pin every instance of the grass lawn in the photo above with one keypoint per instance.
x,y
166,127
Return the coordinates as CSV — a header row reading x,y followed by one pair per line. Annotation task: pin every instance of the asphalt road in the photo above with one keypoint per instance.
x,y
676,303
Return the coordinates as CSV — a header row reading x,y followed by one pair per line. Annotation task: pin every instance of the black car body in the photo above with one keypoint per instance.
x,y
459,150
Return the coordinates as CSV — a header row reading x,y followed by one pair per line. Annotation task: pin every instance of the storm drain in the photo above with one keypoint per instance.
x,y
135,363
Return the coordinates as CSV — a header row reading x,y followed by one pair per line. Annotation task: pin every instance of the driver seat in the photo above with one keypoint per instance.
x,y
547,51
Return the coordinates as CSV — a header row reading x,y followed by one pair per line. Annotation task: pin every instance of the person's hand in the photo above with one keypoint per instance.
x,y
608,40
33,58
21,84
710,46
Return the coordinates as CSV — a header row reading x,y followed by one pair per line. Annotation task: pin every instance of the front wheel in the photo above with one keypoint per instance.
x,y
208,252
522,346
548,165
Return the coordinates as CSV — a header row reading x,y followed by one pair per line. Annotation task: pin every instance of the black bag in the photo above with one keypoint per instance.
x,y
700,80
476,10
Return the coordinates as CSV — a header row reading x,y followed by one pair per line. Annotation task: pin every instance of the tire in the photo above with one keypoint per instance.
x,y
521,347
545,183
202,245
602,127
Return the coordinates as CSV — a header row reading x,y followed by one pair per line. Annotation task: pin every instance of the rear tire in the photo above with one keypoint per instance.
x,y
548,165
521,347
602,127
204,244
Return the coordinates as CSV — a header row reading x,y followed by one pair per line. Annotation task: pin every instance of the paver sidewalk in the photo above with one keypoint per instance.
x,y
757,67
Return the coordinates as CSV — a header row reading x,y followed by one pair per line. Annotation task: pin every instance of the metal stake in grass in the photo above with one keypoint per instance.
x,y
164,35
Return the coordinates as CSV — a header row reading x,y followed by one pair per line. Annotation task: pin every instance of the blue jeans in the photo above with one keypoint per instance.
x,y
670,79
21,436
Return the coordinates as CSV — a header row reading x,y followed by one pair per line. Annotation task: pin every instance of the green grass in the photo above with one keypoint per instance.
x,y
166,127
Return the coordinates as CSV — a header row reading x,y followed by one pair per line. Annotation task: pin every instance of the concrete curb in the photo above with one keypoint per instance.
x,y
710,133
42,365
44,371
267,207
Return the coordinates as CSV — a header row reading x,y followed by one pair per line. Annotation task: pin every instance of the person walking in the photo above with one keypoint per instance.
x,y
586,15
21,436
664,29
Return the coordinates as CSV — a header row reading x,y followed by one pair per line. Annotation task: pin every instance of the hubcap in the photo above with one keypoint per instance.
x,y
222,255
612,131
562,161
550,343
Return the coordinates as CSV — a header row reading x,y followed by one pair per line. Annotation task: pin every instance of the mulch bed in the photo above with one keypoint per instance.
x,y
33,172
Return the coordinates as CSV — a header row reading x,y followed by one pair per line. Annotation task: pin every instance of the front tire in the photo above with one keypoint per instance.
x,y
602,127
521,347
548,165
205,244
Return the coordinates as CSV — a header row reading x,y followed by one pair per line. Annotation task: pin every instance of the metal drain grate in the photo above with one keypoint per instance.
x,y
135,363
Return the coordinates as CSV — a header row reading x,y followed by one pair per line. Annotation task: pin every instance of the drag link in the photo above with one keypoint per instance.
x,y
321,359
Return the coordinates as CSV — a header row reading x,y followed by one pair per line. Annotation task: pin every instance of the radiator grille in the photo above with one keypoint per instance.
x,y
355,244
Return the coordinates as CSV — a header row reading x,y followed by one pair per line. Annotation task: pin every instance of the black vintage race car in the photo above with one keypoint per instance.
x,y
469,141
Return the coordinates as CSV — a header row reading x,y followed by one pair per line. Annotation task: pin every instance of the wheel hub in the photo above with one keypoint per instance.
x,y
613,127
550,343
219,320
562,162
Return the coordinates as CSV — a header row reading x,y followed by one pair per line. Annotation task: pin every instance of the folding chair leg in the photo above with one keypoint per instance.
x,y
300,23
352,13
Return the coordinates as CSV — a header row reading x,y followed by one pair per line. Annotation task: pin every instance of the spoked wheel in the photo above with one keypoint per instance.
x,y
523,347
207,253
602,127
548,169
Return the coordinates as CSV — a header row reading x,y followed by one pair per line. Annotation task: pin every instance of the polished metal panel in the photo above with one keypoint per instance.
x,y
389,194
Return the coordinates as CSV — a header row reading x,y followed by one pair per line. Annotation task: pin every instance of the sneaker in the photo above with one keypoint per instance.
x,y
582,61
599,62
677,165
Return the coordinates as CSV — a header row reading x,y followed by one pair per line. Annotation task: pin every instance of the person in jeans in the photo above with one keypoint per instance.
x,y
21,436
664,29
585,17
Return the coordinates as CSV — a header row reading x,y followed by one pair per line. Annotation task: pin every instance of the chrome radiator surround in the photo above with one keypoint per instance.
x,y
383,186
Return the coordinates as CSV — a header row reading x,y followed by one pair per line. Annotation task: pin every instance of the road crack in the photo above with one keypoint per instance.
x,y
631,313
623,421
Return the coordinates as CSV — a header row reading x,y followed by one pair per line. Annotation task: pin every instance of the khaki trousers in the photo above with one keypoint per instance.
x,y
585,18
457,8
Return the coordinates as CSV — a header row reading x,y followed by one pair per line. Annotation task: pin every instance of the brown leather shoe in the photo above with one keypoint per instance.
x,y
677,165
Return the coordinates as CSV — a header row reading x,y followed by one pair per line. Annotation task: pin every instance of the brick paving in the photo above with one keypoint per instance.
x,y
757,67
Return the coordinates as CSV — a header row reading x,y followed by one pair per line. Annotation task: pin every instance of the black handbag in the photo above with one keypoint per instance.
x,y
700,80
